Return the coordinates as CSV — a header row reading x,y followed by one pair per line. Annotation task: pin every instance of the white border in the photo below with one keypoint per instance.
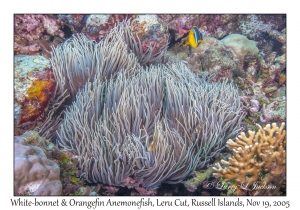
x,y
8,8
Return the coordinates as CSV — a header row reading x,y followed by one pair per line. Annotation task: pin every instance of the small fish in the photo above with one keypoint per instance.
x,y
194,38
198,127
152,145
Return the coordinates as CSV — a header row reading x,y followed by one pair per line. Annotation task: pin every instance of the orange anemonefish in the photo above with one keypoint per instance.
x,y
194,38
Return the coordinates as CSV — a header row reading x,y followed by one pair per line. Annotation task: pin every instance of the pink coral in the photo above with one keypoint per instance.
x,y
129,182
33,27
30,29
111,189
254,106
145,192
73,21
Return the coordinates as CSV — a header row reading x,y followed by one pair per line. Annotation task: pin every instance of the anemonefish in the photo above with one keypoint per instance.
x,y
194,38
152,145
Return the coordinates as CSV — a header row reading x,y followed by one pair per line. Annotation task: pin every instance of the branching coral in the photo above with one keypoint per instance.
x,y
258,165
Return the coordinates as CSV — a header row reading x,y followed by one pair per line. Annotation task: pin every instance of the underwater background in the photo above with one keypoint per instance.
x,y
150,104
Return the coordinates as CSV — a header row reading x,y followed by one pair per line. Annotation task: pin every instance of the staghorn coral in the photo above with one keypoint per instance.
x,y
259,159
151,126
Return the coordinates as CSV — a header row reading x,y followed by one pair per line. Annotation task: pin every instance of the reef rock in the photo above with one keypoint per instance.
x,y
37,33
33,85
151,32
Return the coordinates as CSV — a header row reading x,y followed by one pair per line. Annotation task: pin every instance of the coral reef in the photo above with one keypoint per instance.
x,y
35,33
131,119
252,25
34,173
95,26
210,25
51,157
217,60
258,164
220,58
33,85
270,74
240,46
275,111
74,21
264,81
150,32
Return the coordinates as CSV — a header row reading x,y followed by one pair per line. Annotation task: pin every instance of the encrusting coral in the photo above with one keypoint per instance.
x,y
258,165
33,85
34,33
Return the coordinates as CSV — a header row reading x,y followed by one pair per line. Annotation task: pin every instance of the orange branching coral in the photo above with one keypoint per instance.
x,y
258,165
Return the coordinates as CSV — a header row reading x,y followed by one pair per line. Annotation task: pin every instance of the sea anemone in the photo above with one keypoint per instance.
x,y
155,126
